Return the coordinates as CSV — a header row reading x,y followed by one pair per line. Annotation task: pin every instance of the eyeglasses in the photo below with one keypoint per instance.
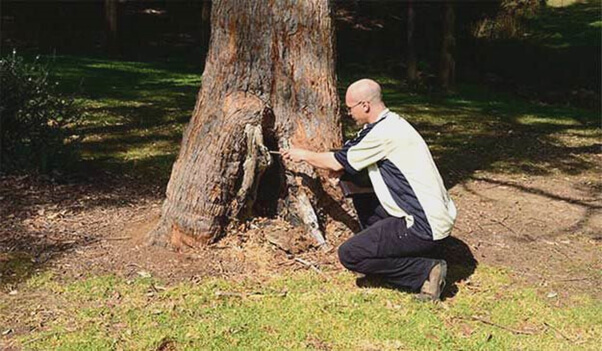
x,y
349,108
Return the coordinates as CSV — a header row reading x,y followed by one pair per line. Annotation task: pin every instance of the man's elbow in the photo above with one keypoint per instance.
x,y
335,165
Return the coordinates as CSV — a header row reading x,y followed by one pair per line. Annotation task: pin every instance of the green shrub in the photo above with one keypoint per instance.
x,y
35,119
509,21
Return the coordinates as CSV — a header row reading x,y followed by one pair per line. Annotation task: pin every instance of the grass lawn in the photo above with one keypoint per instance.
x,y
136,112
300,311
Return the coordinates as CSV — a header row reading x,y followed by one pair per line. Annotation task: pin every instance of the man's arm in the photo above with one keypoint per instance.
x,y
323,160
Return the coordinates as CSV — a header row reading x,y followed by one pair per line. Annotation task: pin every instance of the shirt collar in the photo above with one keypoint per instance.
x,y
381,116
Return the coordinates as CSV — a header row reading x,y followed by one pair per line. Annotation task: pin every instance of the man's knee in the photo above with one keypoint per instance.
x,y
345,256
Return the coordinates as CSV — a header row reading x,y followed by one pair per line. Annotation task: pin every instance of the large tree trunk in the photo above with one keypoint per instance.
x,y
269,81
447,72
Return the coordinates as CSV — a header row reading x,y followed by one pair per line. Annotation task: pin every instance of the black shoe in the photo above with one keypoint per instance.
x,y
369,281
434,285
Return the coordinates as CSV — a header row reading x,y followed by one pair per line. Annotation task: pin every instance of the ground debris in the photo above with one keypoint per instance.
x,y
84,228
254,294
512,330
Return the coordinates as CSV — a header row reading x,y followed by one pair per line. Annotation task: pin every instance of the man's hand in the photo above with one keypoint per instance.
x,y
294,154
322,160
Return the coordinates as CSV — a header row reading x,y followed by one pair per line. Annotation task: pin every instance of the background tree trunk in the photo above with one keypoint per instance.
x,y
269,80
412,72
447,70
111,30
205,23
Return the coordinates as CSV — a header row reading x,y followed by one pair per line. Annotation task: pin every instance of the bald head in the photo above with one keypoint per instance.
x,y
364,101
365,90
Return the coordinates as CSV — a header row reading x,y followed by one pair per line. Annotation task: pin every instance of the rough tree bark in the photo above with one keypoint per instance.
x,y
269,80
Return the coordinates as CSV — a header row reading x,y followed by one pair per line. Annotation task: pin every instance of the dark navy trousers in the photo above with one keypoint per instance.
x,y
385,249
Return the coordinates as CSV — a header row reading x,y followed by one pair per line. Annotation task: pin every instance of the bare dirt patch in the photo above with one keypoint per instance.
x,y
77,230
547,230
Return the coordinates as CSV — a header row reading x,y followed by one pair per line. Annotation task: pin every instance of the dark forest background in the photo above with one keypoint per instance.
x,y
527,47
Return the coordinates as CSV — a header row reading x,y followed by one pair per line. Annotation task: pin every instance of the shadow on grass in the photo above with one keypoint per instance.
x,y
135,112
480,130
124,80
131,132
473,130
461,264
17,266
134,94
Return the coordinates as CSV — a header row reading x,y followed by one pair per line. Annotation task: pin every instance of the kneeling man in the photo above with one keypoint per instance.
x,y
410,213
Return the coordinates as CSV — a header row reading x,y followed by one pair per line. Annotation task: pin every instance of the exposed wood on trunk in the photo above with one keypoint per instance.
x,y
268,81
258,159
308,216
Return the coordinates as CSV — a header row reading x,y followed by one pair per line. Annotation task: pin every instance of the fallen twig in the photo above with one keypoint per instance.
x,y
302,261
118,238
503,225
230,294
558,331
560,252
512,330
309,265
573,279
36,339
132,267
243,295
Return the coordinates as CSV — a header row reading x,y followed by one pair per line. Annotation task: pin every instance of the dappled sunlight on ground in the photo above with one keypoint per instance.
x,y
525,178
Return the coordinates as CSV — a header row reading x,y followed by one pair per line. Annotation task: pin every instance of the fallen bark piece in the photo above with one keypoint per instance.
x,y
291,241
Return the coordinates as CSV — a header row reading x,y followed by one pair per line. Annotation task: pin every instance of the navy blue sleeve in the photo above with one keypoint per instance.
x,y
341,156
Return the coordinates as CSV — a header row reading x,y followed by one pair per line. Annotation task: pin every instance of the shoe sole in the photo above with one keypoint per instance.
x,y
440,284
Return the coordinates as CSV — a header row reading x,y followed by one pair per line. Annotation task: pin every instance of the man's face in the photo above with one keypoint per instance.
x,y
355,109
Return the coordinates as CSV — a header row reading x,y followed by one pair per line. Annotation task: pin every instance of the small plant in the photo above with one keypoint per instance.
x,y
34,118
